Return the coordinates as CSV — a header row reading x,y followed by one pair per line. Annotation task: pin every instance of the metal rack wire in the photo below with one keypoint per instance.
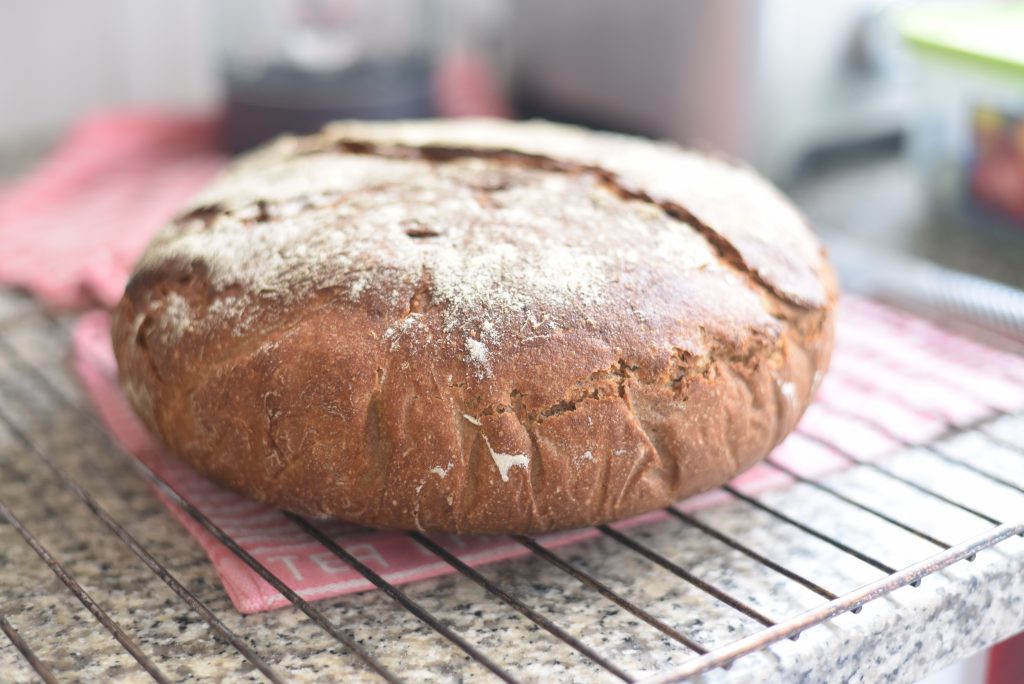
x,y
703,660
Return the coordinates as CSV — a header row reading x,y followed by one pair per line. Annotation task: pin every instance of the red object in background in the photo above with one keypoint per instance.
x,y
465,84
1006,662
996,175
997,182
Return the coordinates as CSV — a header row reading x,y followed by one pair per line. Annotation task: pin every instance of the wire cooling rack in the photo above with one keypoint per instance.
x,y
38,397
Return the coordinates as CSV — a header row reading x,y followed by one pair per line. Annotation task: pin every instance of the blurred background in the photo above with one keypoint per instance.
x,y
894,125
897,127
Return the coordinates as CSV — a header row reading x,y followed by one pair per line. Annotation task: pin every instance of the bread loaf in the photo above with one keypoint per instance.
x,y
476,326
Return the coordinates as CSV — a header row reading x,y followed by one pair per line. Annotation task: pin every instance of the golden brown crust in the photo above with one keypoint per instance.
x,y
476,326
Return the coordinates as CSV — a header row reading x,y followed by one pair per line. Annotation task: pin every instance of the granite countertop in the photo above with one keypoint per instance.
x,y
897,638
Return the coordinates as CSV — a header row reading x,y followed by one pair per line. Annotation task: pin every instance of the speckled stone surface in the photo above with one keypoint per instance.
x,y
897,638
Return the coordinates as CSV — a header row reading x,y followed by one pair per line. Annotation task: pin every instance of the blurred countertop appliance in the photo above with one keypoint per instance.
x,y
768,82
292,65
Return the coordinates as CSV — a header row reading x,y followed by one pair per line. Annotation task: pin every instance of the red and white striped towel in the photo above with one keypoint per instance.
x,y
72,229
874,344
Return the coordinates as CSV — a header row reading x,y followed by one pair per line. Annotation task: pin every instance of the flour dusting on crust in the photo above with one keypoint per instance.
x,y
478,357
506,462
504,252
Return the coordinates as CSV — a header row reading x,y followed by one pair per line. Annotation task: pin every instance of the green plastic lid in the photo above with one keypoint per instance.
x,y
986,36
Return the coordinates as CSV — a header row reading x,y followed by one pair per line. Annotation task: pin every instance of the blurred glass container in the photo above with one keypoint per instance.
x,y
968,134
292,65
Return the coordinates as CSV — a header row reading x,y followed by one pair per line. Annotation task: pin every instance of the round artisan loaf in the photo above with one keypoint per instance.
x,y
476,325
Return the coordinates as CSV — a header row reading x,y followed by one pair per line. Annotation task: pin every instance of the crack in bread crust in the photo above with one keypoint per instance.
x,y
727,253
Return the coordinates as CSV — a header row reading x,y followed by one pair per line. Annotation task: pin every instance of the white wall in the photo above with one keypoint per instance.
x,y
60,59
